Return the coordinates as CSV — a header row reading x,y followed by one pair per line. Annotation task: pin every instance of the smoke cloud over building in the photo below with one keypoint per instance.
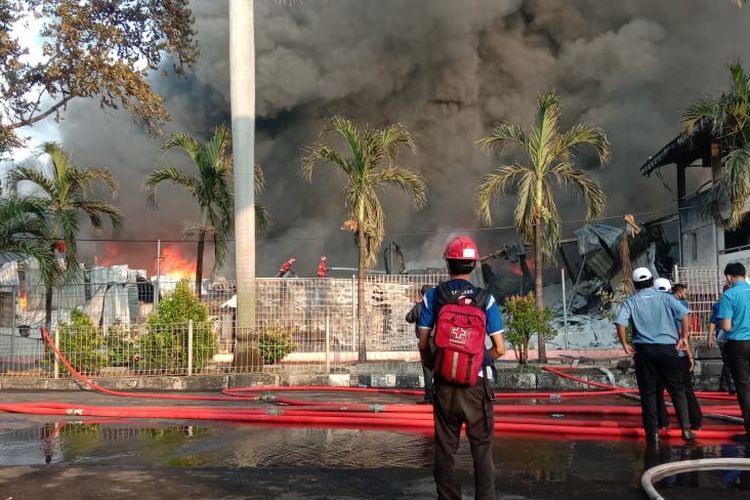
x,y
446,69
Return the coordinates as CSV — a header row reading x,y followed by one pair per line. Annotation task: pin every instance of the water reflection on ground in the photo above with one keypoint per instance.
x,y
521,461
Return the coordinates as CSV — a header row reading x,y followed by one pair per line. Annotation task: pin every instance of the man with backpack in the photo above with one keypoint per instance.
x,y
462,316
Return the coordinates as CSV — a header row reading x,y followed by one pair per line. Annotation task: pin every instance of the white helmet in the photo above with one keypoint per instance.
x,y
663,285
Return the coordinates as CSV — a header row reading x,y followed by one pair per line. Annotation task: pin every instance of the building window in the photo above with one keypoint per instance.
x,y
694,245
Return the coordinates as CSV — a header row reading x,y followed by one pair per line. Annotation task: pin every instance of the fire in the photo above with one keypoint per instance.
x,y
111,256
516,268
175,265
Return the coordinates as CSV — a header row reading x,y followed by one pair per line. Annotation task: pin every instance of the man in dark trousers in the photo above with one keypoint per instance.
x,y
734,315
413,317
457,405
652,315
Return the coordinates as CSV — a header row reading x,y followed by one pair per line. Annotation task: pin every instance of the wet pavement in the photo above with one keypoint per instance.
x,y
44,457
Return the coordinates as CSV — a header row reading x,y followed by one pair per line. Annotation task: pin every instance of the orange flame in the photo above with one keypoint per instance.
x,y
175,265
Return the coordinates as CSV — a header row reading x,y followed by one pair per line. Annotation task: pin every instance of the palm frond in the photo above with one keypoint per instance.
x,y
404,179
23,173
170,174
583,134
259,179
503,133
593,195
392,139
87,177
732,188
262,219
493,185
97,210
546,129
321,153
185,142
705,108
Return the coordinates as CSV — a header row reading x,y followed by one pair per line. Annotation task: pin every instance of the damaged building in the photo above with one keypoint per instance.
x,y
697,160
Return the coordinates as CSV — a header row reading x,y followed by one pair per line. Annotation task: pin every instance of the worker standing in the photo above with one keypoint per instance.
x,y
655,347
734,315
462,316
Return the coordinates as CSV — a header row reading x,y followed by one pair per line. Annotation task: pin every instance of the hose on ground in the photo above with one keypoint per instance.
x,y
659,472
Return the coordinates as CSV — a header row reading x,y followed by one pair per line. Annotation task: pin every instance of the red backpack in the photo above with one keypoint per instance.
x,y
459,335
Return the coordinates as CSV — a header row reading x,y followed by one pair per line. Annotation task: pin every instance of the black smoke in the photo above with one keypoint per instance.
x,y
448,70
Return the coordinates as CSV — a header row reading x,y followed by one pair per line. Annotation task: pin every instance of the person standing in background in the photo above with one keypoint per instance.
x,y
413,317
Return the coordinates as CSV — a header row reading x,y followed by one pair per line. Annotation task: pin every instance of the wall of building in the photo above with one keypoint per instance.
x,y
698,235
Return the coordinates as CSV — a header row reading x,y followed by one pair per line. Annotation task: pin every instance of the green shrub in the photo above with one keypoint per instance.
x,y
81,343
122,348
275,342
522,320
164,345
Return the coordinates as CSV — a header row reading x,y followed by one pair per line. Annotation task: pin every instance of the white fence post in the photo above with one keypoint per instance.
x,y
190,348
57,345
565,309
354,313
328,342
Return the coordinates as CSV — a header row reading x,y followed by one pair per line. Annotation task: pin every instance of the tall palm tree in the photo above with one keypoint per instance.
x,y
728,116
67,190
211,188
24,231
369,165
550,158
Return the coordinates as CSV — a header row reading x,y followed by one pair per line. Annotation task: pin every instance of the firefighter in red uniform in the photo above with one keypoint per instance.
x,y
322,267
286,267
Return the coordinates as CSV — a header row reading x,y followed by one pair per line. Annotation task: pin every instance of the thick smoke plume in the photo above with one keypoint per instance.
x,y
448,70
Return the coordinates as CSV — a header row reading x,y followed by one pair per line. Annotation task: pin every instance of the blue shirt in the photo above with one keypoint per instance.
x,y
492,312
653,314
721,335
735,305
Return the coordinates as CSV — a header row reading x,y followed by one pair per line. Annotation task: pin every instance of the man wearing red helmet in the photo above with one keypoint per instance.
x,y
455,405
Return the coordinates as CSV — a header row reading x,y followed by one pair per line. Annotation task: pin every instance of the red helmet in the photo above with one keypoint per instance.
x,y
461,248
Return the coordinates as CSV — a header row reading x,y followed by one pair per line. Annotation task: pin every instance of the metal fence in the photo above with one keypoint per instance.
x,y
299,321
704,286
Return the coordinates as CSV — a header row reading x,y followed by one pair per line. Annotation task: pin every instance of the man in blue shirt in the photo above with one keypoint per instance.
x,y
456,405
715,333
655,349
734,317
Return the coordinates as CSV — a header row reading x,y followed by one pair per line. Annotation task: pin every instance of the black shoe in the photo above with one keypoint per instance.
x,y
652,437
742,438
687,435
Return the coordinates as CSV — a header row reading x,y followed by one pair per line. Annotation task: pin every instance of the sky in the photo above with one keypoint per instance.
x,y
448,71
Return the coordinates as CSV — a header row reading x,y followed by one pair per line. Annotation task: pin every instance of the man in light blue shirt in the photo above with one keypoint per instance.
x,y
734,317
652,315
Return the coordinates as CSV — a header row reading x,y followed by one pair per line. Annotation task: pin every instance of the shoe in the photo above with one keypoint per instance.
x,y
742,438
696,427
652,437
687,435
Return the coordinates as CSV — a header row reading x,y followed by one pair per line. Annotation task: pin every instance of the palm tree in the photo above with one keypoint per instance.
x,y
24,231
369,165
211,188
66,188
550,159
728,117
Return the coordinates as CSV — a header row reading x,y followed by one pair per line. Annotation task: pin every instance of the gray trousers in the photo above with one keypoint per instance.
x,y
453,407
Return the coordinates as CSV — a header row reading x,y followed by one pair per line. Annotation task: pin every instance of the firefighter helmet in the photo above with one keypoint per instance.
x,y
461,248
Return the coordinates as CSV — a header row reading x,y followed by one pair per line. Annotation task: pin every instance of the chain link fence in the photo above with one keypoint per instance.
x,y
299,321
704,284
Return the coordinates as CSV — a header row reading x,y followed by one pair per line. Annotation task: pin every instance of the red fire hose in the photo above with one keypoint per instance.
x,y
512,418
